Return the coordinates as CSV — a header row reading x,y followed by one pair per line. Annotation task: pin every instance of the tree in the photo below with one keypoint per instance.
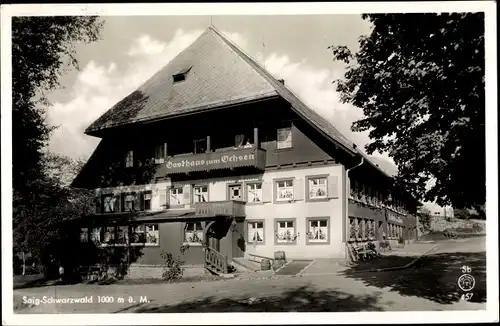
x,y
424,219
42,49
41,221
419,79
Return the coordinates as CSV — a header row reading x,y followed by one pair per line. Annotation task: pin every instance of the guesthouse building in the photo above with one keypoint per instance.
x,y
215,154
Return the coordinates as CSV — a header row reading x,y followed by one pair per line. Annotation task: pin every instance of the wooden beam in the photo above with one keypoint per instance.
x,y
256,137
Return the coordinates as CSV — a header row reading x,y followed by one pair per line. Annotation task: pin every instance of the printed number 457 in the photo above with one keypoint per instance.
x,y
467,296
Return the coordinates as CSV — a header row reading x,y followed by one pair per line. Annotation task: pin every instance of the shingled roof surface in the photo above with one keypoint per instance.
x,y
215,76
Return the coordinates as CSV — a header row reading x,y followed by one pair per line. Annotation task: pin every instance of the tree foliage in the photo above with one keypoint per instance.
x,y
419,79
424,219
42,49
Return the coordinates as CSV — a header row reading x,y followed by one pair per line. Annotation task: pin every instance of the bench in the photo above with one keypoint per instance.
x,y
363,253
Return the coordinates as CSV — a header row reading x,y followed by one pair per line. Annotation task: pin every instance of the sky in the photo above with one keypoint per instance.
x,y
133,48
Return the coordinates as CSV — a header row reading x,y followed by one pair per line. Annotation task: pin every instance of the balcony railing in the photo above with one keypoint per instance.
x,y
227,159
220,208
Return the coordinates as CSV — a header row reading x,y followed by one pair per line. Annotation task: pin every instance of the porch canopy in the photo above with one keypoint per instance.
x,y
207,210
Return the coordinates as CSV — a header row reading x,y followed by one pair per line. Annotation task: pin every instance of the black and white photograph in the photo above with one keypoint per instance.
x,y
169,160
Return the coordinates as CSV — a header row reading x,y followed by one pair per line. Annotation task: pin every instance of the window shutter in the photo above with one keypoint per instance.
x,y
163,198
186,191
98,204
298,189
139,201
119,202
267,192
333,186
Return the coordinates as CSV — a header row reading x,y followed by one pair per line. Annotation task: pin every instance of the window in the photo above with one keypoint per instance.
x,y
254,192
193,233
138,235
285,232
147,200
179,77
284,138
152,235
239,140
96,235
235,192
129,204
129,159
160,154
177,197
255,232
84,235
318,230
200,194
145,234
108,235
317,188
122,235
110,204
284,190
200,146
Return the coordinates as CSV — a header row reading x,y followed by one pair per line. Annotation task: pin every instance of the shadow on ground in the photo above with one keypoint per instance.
x,y
302,299
433,277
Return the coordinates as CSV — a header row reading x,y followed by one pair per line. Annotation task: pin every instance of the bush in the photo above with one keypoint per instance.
x,y
477,227
450,234
401,240
172,268
385,246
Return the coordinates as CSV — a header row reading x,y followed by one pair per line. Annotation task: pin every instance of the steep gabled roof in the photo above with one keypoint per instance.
x,y
214,76
217,73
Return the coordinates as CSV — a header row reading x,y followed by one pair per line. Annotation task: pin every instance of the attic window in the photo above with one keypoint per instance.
x,y
181,75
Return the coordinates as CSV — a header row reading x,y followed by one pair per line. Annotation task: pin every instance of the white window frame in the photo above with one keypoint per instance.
x,y
177,196
198,194
288,187
254,225
198,230
319,187
281,231
317,230
152,232
284,141
129,159
253,192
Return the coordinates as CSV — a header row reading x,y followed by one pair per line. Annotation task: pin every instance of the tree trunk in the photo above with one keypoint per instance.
x,y
24,264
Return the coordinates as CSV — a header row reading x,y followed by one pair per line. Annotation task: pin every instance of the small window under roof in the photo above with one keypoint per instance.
x,y
181,75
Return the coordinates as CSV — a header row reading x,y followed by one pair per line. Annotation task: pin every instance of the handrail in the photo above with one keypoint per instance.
x,y
216,259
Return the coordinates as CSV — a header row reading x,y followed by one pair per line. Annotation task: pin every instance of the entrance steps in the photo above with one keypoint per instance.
x,y
245,264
